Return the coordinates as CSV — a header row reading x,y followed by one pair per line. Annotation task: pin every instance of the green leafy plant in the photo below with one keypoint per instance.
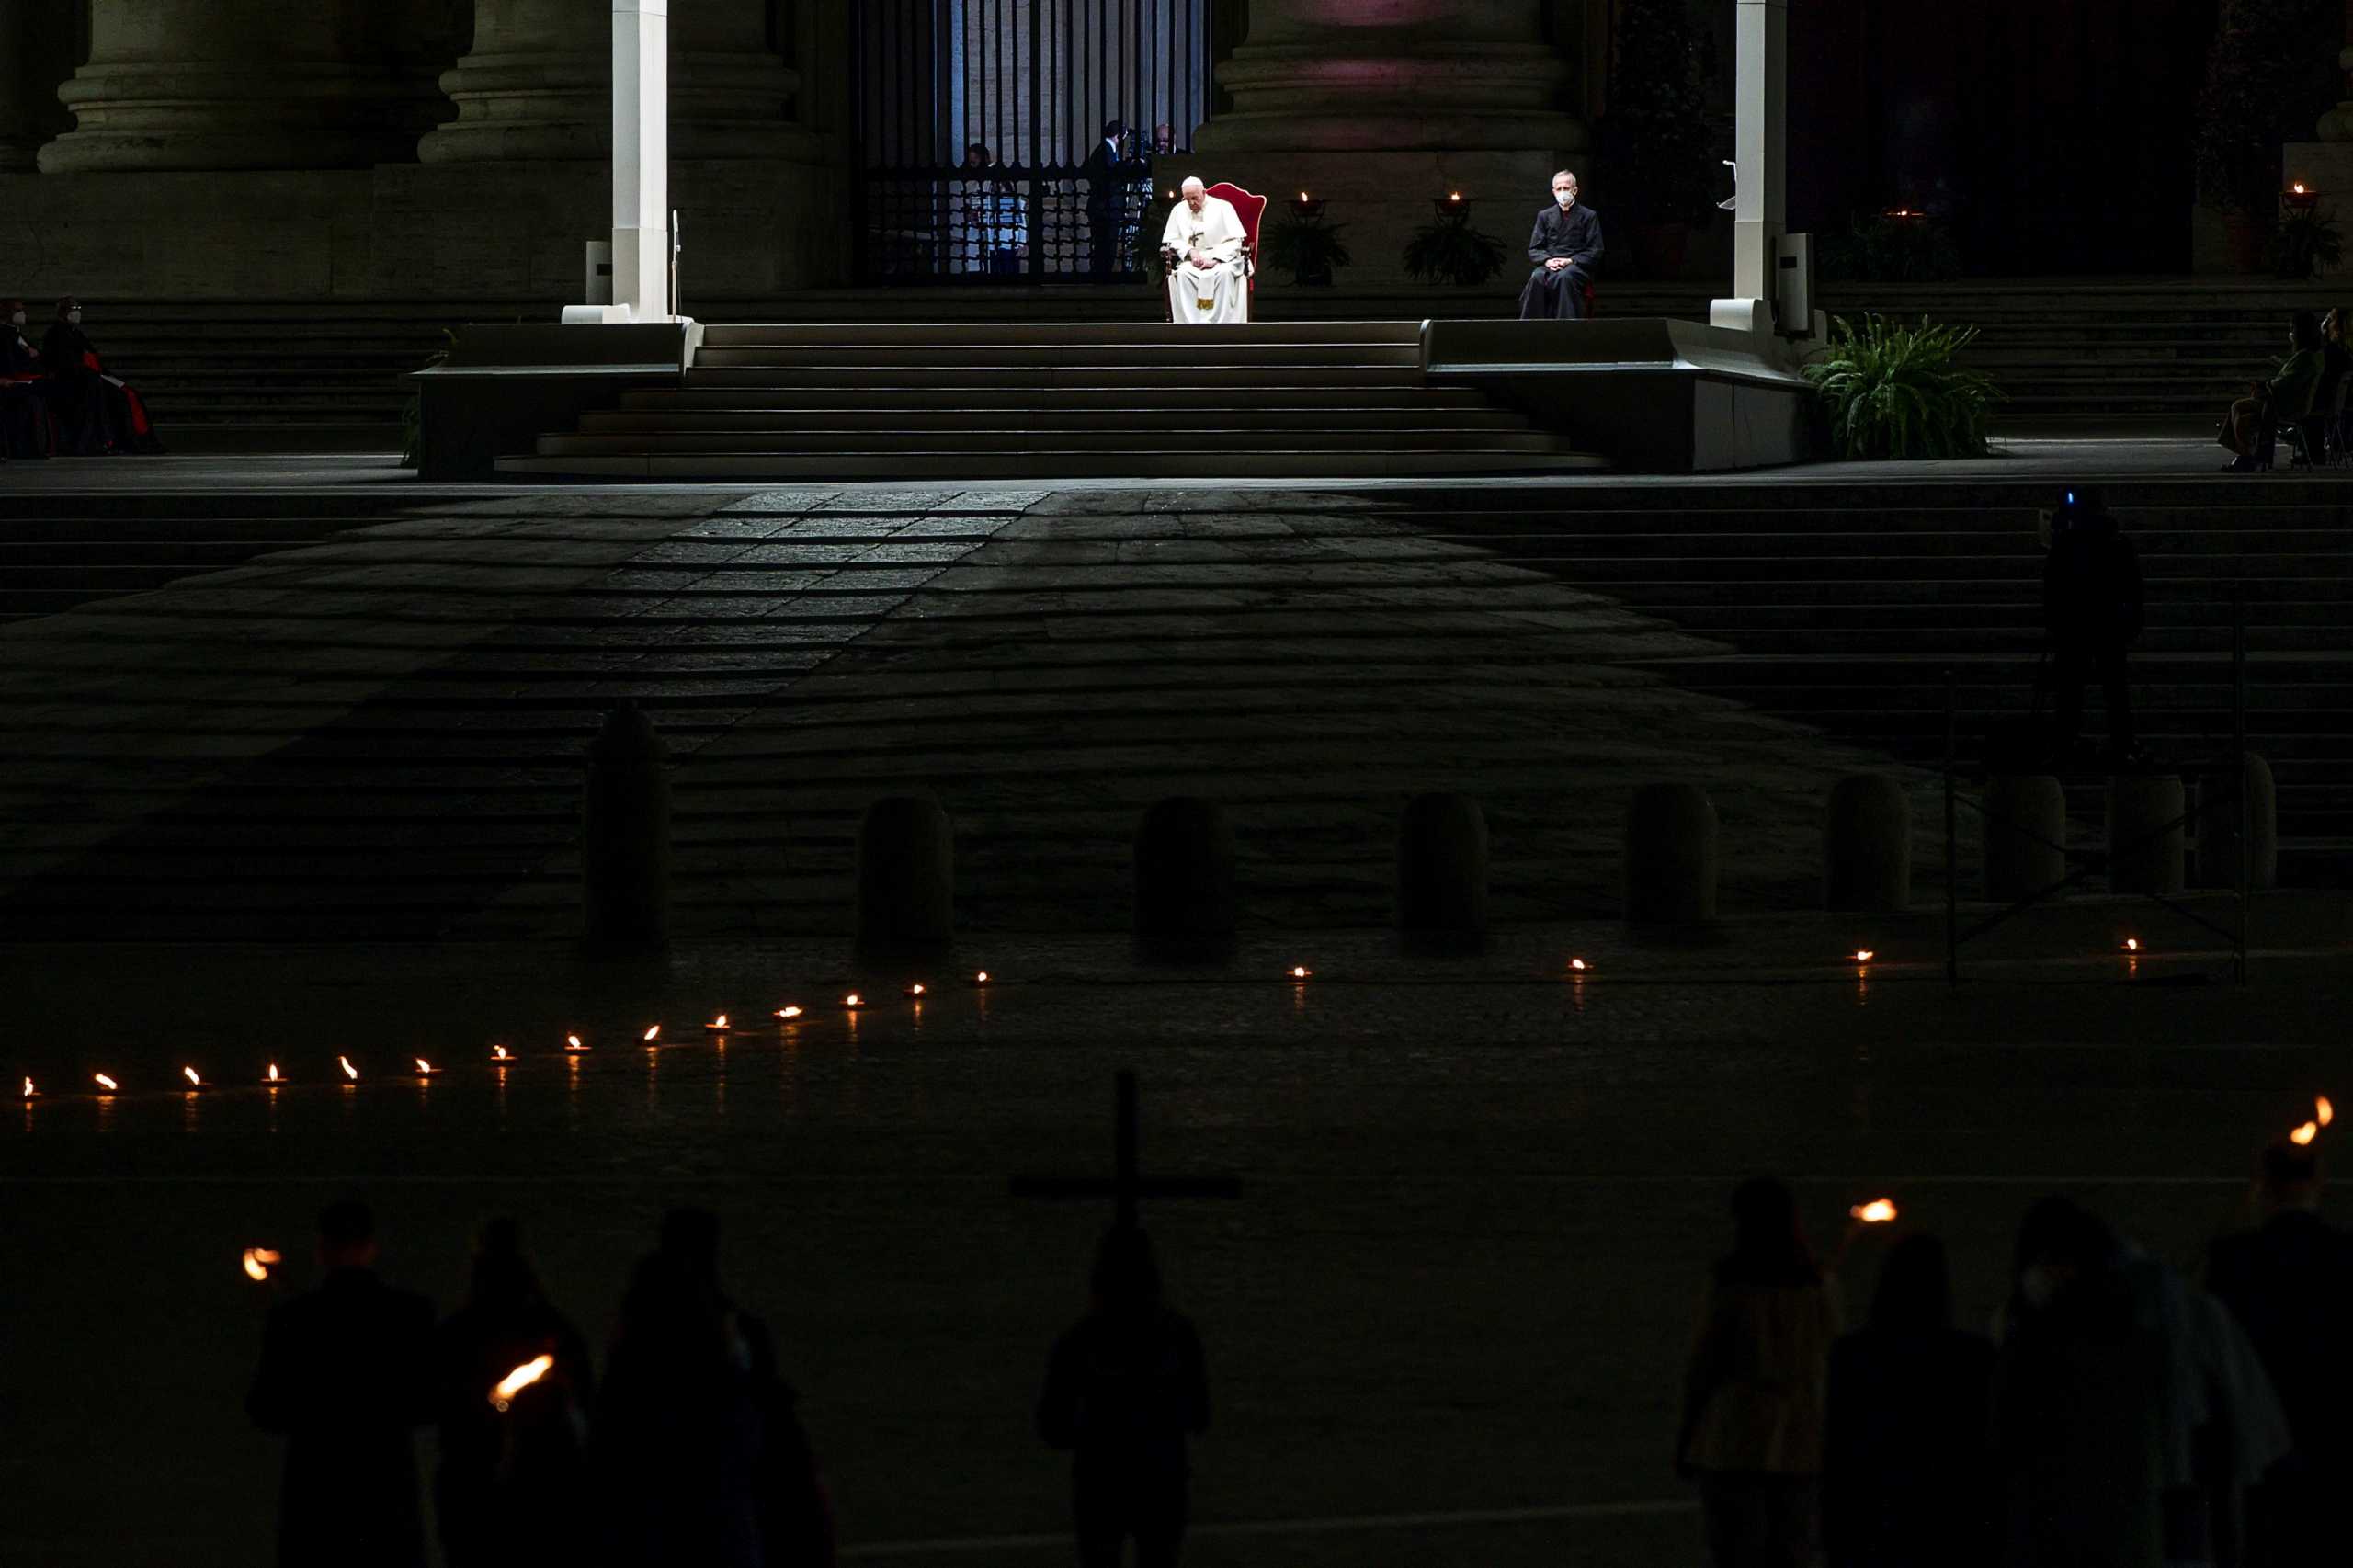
x,y
2269,72
413,410
1308,248
2305,244
1661,139
1881,247
1448,250
1891,390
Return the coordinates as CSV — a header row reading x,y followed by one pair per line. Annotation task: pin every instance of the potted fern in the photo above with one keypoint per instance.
x,y
1448,250
1308,248
1891,390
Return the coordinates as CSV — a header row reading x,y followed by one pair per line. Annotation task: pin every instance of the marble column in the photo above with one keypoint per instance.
x,y
539,83
1402,76
224,85
1382,108
27,92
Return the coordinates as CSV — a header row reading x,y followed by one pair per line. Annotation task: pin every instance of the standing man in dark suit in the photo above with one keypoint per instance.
x,y
2290,1286
1107,174
343,1376
1565,250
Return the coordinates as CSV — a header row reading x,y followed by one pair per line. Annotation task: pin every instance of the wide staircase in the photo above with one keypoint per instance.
x,y
1068,400
1845,606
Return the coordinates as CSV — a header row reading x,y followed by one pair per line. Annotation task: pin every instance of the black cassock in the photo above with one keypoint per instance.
x,y
1574,234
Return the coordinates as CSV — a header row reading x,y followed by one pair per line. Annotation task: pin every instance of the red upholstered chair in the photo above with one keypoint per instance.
x,y
1249,209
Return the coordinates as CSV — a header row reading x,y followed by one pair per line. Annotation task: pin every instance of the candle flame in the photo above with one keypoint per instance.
x,y
273,1073
1302,195
571,1043
981,978
1299,971
788,1011
108,1085
190,1073
2303,1135
1454,195
259,1261
916,989
853,1000
1577,964
521,1378
2131,944
424,1067
2323,1112
500,1053
350,1073
1865,955
718,1023
30,1090
652,1034
1878,1211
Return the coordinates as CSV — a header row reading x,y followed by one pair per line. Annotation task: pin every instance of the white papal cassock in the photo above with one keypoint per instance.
x,y
1205,295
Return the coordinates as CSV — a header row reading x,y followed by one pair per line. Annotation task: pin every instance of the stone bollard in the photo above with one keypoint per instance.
x,y
2026,834
1185,874
1442,867
906,876
1670,855
2147,838
2218,827
625,834
1866,846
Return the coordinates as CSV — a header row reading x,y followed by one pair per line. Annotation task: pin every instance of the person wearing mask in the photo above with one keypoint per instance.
x,y
25,428
2289,1283
77,396
512,1482
1908,1475
1565,250
1754,1390
1126,1388
2284,399
343,1376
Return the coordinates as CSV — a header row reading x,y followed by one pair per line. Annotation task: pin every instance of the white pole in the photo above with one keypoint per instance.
x,y
1760,139
642,158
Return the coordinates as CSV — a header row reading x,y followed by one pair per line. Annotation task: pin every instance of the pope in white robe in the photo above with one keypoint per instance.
x,y
1209,278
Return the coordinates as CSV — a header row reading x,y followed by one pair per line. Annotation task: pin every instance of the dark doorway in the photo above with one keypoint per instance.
x,y
976,118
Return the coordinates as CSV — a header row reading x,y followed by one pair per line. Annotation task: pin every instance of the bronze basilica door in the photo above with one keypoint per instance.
x,y
976,123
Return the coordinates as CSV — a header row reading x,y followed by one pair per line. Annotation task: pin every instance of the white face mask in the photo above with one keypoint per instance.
x,y
74,317
1564,196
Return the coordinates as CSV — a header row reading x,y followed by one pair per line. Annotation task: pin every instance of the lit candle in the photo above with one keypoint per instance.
x,y
1579,965
425,1069
2304,1134
108,1085
500,1053
916,989
30,1090
717,1025
1878,1211
259,1261
981,978
853,1001
1865,955
571,1043
2323,1112
193,1081
521,1378
788,1012
273,1074
1299,971
652,1034
350,1073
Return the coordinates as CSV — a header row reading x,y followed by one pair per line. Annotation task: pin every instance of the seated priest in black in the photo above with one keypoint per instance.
x,y
81,388
1566,252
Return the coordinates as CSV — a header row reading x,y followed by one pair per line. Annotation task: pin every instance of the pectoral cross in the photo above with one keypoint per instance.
x,y
1126,1187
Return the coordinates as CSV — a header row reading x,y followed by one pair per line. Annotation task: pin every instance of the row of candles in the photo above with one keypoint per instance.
x,y
106,1086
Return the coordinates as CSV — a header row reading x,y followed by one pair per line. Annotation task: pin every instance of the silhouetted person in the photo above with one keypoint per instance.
x,y
1107,171
2289,1284
24,402
2091,614
1908,1479
699,1450
343,1376
1126,1387
2080,1402
512,1483
1753,1395
2284,399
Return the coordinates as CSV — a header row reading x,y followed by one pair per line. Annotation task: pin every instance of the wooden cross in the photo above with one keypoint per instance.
x,y
1128,1186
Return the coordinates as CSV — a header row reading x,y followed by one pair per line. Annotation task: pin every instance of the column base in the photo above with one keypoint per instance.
x,y
195,118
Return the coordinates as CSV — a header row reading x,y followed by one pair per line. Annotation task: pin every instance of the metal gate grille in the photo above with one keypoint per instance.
x,y
976,119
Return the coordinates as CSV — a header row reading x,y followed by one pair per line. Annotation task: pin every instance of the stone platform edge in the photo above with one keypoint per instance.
x,y
1652,393
505,384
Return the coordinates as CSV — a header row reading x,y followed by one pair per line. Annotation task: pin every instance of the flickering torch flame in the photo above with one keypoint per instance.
x,y
2323,1112
2303,1135
1878,1211
652,1034
108,1085
259,1261
788,1012
521,1378
193,1081
350,1073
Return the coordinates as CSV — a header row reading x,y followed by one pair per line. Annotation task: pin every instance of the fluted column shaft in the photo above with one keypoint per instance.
x,y
538,84
1442,75
220,84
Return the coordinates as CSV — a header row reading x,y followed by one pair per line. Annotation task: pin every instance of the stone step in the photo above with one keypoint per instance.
x,y
1236,381
1021,419
952,467
1137,360
1017,441
1143,336
1106,396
